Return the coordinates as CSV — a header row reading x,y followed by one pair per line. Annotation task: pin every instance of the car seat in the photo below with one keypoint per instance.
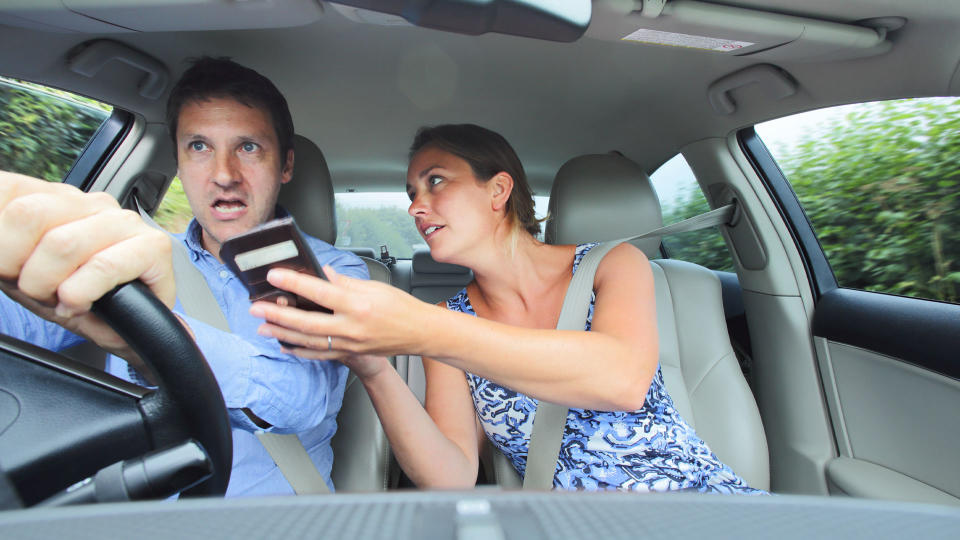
x,y
607,196
361,454
432,282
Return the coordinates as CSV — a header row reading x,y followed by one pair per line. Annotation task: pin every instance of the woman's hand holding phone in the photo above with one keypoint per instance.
x,y
369,318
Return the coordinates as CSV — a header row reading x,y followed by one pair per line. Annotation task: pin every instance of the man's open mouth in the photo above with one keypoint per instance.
x,y
224,206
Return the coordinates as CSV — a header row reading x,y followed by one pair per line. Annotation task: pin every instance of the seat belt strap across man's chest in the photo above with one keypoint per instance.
x,y
198,301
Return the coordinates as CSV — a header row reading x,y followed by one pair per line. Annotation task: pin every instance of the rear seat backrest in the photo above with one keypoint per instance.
x,y
606,196
361,453
432,282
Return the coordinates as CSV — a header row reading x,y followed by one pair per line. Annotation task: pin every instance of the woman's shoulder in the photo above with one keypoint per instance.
x,y
623,255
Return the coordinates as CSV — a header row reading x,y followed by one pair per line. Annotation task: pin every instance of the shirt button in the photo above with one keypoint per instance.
x,y
224,274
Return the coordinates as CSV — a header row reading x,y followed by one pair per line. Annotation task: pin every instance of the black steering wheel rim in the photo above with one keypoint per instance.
x,y
187,391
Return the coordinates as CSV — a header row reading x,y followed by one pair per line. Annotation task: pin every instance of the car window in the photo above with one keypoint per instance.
x,y
380,218
681,198
377,219
44,130
174,212
879,183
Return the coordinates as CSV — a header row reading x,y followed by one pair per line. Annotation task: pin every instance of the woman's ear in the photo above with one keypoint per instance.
x,y
501,186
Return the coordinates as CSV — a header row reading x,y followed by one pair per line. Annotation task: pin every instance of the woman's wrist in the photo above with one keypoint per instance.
x,y
432,332
367,367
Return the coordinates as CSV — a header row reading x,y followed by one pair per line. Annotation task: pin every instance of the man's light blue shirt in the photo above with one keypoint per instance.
x,y
294,395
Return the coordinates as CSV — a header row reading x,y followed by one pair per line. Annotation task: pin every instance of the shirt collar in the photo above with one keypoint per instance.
x,y
193,234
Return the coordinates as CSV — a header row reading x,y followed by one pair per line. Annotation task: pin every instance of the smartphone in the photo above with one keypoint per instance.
x,y
274,244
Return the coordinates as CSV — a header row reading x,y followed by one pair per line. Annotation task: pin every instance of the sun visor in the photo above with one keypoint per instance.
x,y
723,29
157,15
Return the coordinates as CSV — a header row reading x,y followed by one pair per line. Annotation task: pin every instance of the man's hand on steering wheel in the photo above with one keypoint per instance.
x,y
63,249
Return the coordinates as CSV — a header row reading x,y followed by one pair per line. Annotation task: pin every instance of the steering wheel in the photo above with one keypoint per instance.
x,y
62,422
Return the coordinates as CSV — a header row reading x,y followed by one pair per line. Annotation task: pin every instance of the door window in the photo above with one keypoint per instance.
x,y
681,198
879,183
44,130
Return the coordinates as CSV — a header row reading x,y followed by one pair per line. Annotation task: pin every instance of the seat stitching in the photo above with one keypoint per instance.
x,y
707,373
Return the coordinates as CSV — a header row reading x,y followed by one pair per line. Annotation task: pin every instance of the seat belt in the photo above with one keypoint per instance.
x,y
548,424
197,299
546,437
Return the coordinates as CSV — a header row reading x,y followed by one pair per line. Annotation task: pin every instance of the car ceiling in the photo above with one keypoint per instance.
x,y
360,90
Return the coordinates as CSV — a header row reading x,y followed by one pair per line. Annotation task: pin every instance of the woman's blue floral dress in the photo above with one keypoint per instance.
x,y
651,449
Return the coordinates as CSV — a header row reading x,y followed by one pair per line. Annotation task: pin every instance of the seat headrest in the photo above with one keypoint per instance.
x,y
367,252
423,263
600,197
309,195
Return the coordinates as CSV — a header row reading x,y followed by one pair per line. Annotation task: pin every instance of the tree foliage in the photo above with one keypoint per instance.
x,y
42,133
174,213
704,247
880,187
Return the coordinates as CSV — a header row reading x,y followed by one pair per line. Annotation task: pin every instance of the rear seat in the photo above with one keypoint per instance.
x,y
432,282
366,252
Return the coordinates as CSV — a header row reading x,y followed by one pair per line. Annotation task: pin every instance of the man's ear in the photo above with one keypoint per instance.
x,y
286,172
501,186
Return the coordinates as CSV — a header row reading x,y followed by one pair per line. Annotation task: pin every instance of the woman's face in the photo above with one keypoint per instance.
x,y
453,210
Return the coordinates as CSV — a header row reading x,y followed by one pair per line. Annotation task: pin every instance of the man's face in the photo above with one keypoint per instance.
x,y
230,165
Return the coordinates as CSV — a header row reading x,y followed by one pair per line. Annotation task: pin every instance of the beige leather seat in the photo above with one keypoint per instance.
x,y
361,454
607,196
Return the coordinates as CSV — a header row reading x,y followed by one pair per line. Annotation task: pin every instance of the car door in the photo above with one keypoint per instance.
x,y
870,195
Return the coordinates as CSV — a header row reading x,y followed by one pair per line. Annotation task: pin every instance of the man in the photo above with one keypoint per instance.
x,y
233,136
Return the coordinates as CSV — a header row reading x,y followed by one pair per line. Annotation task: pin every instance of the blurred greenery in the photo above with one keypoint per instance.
x,y
704,247
42,130
880,187
174,213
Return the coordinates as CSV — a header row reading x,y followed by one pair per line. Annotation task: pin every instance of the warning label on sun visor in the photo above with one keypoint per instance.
x,y
645,35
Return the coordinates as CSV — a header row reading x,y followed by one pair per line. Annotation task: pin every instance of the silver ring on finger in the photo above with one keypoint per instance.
x,y
329,343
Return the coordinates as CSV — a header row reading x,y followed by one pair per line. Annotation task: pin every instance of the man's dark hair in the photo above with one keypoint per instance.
x,y
209,78
488,153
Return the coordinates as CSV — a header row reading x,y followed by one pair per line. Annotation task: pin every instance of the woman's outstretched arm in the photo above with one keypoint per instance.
x,y
609,368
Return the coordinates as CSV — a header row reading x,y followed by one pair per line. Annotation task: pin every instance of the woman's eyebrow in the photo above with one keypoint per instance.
x,y
426,171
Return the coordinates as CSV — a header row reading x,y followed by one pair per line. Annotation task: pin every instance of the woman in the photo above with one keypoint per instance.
x,y
492,350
